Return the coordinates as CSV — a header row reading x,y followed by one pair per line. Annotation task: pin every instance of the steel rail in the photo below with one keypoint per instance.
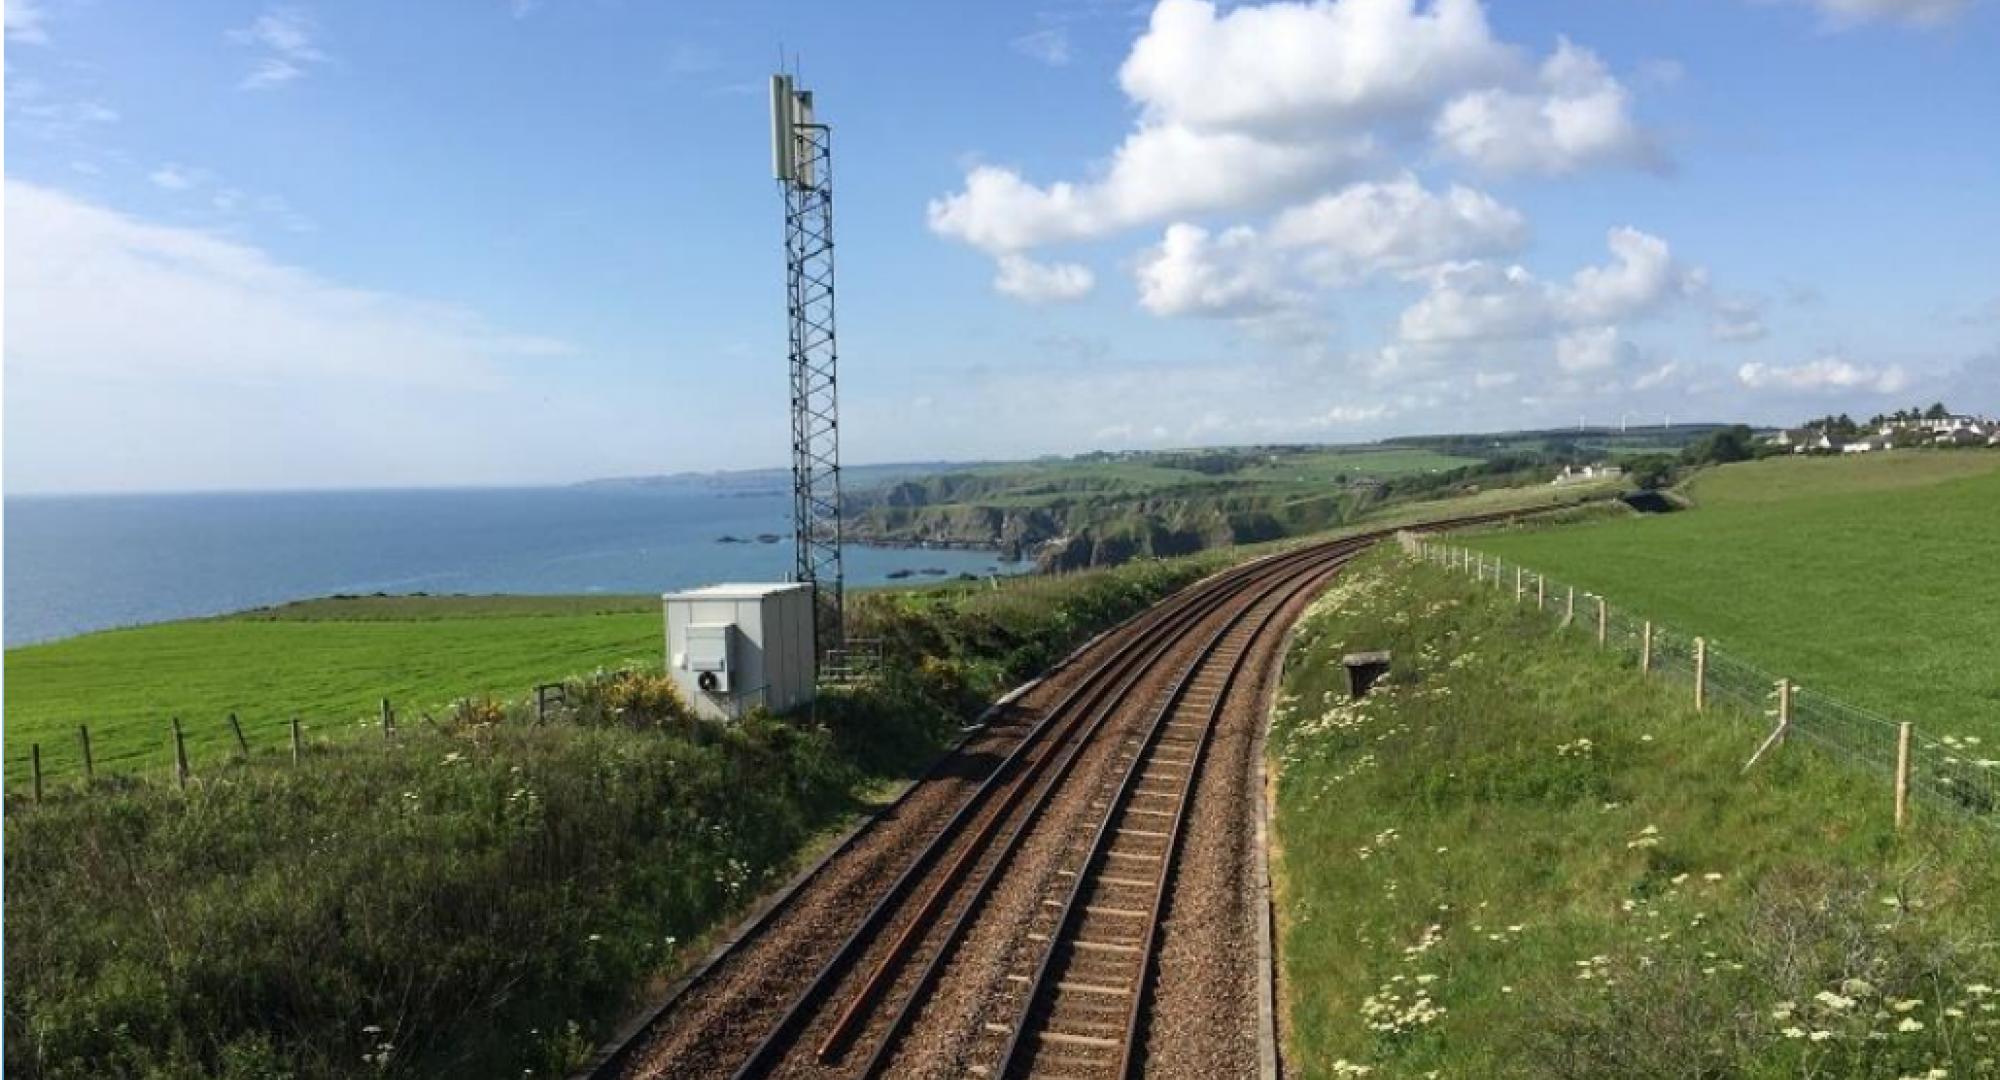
x,y
1149,641
1135,628
1322,560
1100,843
1149,947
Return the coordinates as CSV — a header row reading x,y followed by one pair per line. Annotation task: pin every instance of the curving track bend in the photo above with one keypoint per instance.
x,y
1069,894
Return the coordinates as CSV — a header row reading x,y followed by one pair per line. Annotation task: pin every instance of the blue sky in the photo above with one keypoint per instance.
x,y
372,243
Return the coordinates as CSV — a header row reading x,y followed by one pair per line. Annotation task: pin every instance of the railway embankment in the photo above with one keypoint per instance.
x,y
481,894
1519,856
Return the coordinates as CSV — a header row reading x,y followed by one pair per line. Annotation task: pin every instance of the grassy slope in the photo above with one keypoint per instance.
x,y
329,662
1465,887
482,900
1890,596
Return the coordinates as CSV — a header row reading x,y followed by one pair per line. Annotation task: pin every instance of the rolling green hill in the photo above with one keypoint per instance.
x,y
1104,509
329,662
1875,579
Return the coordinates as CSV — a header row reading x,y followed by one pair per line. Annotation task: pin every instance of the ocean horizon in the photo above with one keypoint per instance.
x,y
86,562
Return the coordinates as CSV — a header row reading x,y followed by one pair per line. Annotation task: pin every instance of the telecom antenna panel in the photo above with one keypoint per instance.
x,y
802,161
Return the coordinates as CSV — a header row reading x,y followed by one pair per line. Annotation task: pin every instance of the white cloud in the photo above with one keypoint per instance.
x,y
1472,301
1481,303
1158,172
1841,13
1597,348
1039,283
1576,115
1657,377
24,22
1828,373
1737,318
285,36
1241,110
1346,415
177,177
1396,226
1292,67
1049,45
111,317
31,110
1641,278
1192,272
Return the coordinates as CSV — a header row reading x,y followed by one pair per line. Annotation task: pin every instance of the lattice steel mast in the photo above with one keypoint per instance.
x,y
802,159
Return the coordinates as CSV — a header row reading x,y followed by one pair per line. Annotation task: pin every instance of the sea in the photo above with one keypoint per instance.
x,y
80,563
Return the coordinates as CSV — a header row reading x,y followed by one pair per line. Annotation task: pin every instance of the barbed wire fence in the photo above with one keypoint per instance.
x,y
1956,773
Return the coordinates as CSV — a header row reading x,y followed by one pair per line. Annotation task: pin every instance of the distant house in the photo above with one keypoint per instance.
x,y
1941,426
1865,446
1961,437
1810,440
1574,474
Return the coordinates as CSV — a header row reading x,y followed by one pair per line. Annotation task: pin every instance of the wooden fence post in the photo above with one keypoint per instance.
x,y
180,756
1784,707
1902,774
297,743
1519,583
1646,649
242,744
1701,674
1541,593
1569,608
89,766
388,721
1603,623
35,754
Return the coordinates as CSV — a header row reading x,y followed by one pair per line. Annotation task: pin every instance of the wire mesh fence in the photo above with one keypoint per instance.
x,y
1957,772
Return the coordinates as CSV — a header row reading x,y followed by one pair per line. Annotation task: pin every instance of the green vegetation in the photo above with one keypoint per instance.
x,y
1104,509
1868,578
1520,858
470,903
329,662
484,896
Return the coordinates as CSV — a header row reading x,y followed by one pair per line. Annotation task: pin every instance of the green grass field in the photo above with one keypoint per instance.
x,y
1874,580
330,662
1522,858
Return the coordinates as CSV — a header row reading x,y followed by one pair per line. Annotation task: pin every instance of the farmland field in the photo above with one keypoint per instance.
x,y
1874,580
1033,483
329,662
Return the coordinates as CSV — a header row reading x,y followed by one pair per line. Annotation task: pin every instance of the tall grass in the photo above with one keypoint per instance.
x,y
1520,858
484,897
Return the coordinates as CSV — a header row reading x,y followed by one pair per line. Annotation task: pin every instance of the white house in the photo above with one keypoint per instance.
x,y
1980,425
1573,474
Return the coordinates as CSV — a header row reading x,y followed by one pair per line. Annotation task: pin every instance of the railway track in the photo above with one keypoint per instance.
x,y
1021,936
